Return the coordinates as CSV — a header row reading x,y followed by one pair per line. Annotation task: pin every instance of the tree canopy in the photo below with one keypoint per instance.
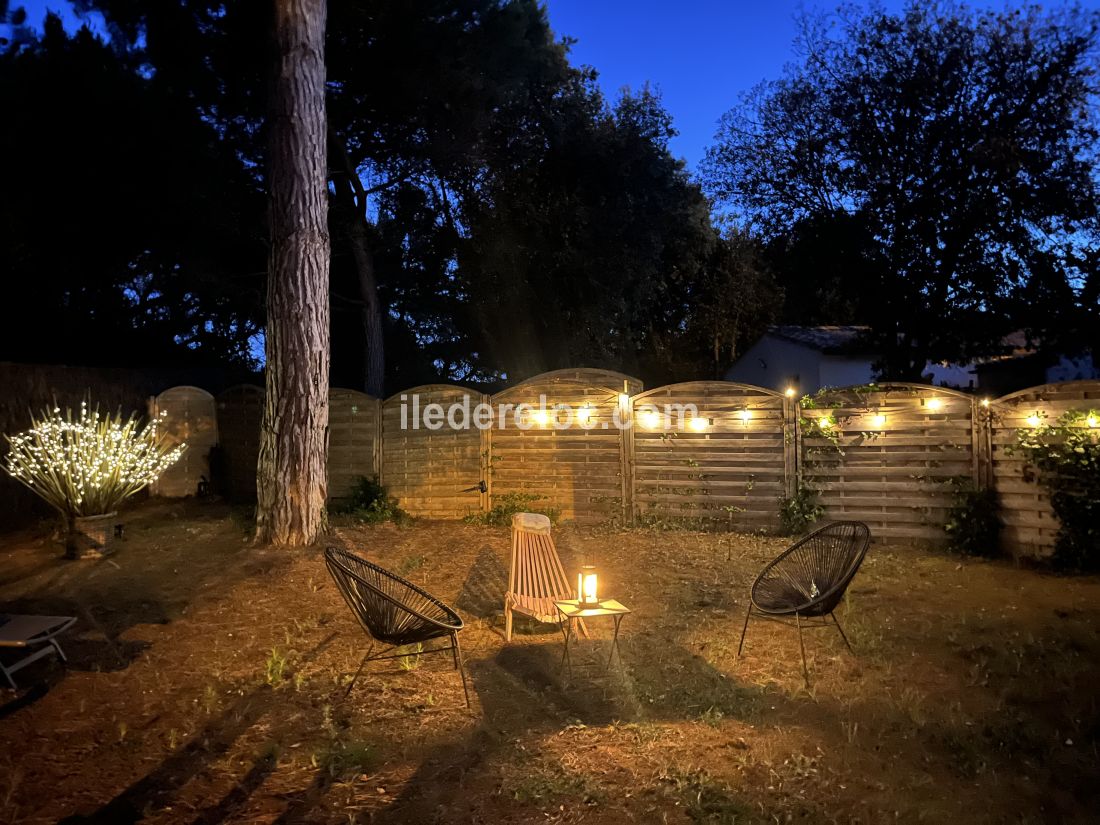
x,y
930,173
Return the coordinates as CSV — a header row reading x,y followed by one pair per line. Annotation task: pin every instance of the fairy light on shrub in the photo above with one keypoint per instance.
x,y
89,465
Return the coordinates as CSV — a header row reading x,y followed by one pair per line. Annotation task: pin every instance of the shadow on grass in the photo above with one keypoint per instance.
x,y
158,787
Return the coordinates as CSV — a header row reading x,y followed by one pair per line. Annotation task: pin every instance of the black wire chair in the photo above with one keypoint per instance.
x,y
393,611
808,580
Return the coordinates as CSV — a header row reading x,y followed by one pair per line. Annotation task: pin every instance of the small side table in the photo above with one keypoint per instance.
x,y
571,611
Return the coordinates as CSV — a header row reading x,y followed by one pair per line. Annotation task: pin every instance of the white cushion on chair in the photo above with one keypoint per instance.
x,y
531,522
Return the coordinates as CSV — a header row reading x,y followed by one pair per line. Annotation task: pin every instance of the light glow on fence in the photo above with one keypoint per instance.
x,y
698,424
985,402
540,417
1092,421
745,415
934,404
825,422
878,420
790,391
651,419
1034,420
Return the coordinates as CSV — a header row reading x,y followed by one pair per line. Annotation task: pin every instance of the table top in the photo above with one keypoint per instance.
x,y
571,608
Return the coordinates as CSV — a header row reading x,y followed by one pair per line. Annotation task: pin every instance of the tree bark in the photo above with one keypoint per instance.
x,y
291,474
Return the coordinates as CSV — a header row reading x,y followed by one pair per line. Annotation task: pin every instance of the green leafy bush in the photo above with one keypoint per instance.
x,y
370,502
973,524
507,505
1067,456
798,512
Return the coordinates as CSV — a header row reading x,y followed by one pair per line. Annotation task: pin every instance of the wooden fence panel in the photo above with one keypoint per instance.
x,y
427,469
891,456
727,467
578,469
353,440
186,415
1030,524
240,412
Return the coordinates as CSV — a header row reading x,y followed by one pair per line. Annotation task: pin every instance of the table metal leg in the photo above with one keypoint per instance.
x,y
615,645
566,659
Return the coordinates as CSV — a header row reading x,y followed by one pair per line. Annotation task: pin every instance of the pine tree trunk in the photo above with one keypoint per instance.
x,y
291,480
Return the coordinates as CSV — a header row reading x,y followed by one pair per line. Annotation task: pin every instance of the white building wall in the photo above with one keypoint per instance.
x,y
777,364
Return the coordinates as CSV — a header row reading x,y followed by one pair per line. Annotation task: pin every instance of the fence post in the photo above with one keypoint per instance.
x,y
486,457
792,445
626,451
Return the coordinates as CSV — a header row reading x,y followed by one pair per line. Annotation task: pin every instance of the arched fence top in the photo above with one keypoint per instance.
x,y
184,390
429,388
593,376
892,386
1035,393
708,385
344,392
556,387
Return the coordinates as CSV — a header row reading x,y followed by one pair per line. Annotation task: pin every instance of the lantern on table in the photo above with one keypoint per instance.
x,y
586,586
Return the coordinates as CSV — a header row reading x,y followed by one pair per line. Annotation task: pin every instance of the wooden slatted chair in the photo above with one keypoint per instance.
x,y
536,578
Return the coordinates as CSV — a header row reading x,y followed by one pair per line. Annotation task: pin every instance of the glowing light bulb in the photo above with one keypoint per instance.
x,y
540,417
585,415
744,415
878,420
789,392
985,402
1092,421
825,422
698,424
1034,420
934,404
650,419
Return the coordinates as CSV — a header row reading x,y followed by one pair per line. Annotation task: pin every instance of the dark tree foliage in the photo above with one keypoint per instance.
x,y
585,250
131,235
929,172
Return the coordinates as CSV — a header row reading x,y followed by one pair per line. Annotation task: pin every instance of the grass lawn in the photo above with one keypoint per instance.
x,y
207,681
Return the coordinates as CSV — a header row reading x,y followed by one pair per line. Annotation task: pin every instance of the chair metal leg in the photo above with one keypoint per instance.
x,y
457,650
744,629
842,634
802,647
362,664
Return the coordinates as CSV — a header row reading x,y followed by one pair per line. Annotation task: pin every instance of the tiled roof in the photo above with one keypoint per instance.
x,y
849,340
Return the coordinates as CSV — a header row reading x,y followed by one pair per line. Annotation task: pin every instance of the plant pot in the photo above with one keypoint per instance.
x,y
90,536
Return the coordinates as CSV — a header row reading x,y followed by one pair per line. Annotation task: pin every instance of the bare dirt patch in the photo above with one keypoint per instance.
x,y
207,683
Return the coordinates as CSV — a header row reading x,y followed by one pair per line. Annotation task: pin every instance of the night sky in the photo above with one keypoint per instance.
x,y
700,54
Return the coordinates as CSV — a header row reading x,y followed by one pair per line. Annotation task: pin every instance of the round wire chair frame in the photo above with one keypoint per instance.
x,y
820,605
340,566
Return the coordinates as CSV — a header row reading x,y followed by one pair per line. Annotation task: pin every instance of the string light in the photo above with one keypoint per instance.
x,y
698,424
825,422
1034,420
87,466
934,404
650,419
789,392
878,420
985,402
1092,421
745,415
540,417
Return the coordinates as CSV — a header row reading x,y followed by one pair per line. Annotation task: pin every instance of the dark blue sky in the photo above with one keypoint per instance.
x,y
700,54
